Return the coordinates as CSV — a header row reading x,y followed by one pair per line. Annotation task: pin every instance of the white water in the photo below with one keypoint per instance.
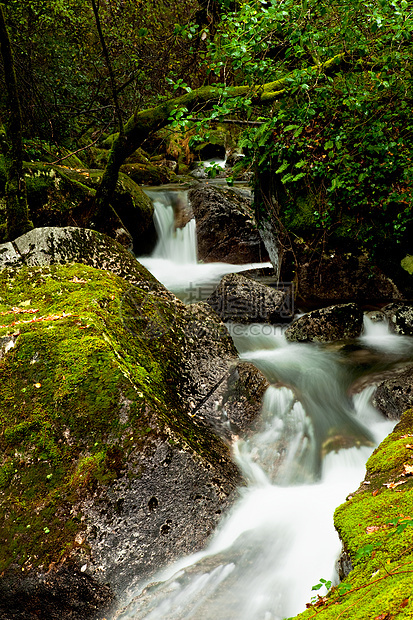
x,y
174,260
377,336
308,453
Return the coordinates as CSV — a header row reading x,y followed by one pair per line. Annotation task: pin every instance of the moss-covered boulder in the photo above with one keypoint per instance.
x,y
59,195
148,174
376,527
109,393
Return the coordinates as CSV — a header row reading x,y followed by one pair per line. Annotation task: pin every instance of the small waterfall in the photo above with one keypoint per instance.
x,y
177,244
174,260
377,336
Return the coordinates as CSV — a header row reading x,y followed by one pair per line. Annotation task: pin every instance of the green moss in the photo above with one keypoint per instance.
x,y
407,264
84,388
380,584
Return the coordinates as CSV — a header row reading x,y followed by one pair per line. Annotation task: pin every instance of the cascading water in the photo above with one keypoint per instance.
x,y
308,452
174,260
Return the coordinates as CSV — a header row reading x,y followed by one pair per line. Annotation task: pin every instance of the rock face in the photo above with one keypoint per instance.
x,y
339,277
400,317
327,324
110,392
395,394
226,227
242,300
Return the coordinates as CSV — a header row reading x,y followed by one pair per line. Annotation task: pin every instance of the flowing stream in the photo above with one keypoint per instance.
x,y
306,456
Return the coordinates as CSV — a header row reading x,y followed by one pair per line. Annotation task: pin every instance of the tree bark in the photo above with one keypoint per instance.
x,y
143,123
17,212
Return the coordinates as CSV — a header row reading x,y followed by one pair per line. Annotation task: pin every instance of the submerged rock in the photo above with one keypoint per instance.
x,y
226,227
108,399
327,324
242,300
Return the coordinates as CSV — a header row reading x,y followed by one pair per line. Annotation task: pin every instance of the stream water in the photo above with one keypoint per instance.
x,y
307,455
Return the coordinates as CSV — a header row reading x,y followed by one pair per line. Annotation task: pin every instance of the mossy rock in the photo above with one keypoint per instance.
x,y
94,427
148,174
62,196
39,150
376,527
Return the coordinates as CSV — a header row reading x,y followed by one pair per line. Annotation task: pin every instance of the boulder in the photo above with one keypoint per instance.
x,y
338,322
226,227
111,390
149,174
394,395
400,318
242,300
338,277
63,196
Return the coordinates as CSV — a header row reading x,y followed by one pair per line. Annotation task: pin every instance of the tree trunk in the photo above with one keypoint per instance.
x,y
17,212
143,123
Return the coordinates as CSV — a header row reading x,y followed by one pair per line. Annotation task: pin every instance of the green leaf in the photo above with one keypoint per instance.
x,y
283,167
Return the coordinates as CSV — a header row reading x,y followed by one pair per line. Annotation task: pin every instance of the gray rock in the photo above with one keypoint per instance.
x,y
226,227
327,324
340,277
400,317
227,393
243,300
52,245
395,395
169,496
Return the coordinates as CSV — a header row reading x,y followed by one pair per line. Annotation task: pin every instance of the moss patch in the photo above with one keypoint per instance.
x,y
83,386
376,527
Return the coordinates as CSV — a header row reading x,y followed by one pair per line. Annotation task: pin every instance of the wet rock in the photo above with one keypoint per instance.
x,y
226,227
327,324
400,317
131,473
242,300
340,277
227,392
376,316
65,592
394,395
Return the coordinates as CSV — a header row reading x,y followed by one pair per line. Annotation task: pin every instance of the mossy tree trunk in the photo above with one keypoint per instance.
x,y
143,123
17,212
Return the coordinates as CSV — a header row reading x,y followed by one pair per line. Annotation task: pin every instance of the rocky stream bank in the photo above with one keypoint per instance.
x,y
115,447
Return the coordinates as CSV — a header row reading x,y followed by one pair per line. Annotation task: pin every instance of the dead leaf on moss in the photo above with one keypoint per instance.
x,y
408,470
372,528
404,603
409,445
393,485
